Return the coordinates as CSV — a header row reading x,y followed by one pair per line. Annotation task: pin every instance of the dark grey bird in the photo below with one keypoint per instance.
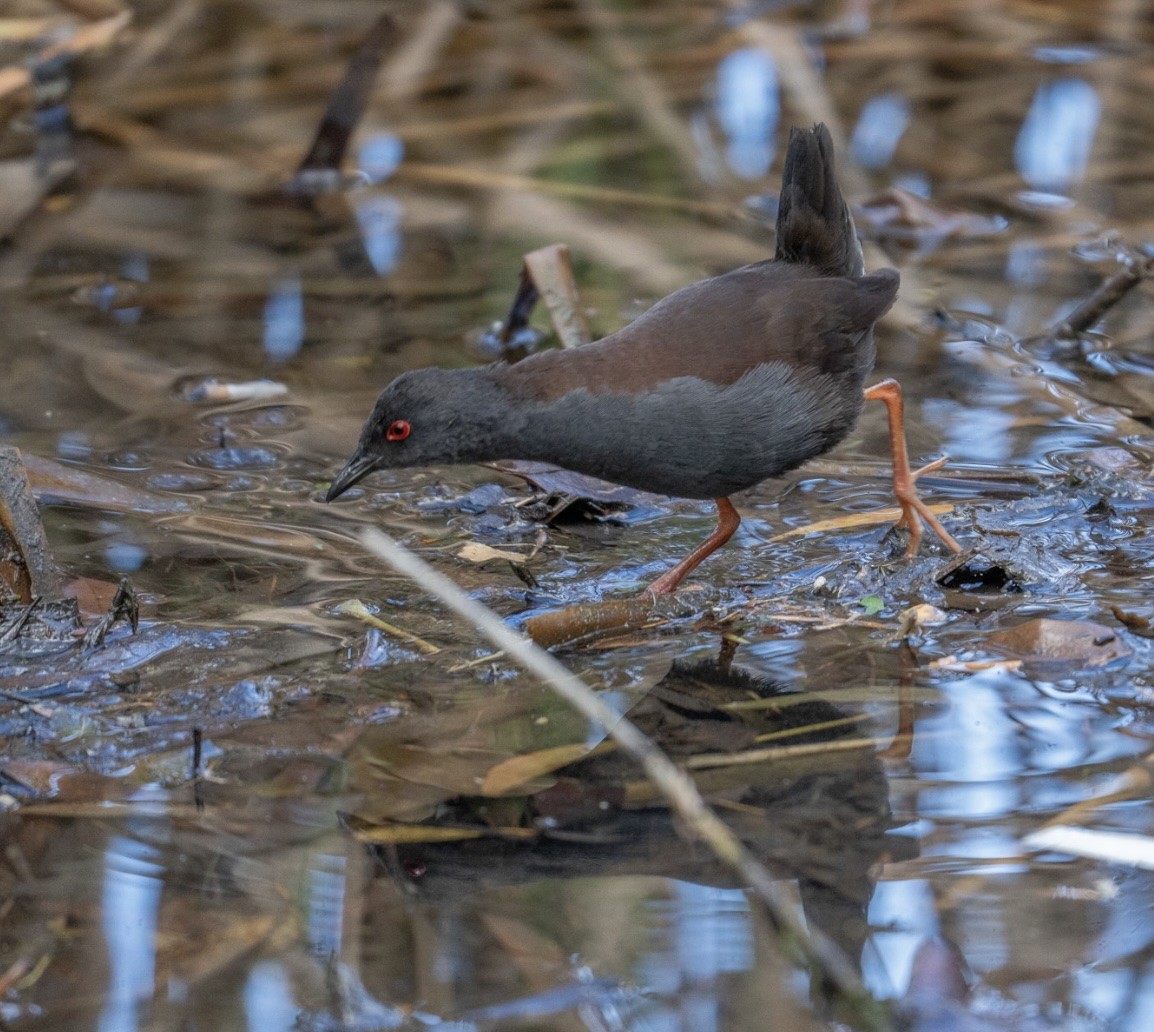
x,y
717,387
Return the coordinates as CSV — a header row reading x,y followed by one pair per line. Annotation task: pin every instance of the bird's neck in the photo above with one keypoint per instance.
x,y
493,418
488,424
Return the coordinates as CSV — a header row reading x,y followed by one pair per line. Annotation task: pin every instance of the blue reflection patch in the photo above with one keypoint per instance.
x,y
380,222
379,156
284,320
747,108
1053,146
879,129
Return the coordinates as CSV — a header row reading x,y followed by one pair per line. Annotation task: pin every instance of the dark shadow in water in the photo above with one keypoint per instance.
x,y
821,819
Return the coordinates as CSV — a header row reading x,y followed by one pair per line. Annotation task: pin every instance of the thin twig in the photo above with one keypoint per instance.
x,y
355,607
1110,291
674,783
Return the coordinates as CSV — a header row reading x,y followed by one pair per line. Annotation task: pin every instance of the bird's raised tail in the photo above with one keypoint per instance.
x,y
814,225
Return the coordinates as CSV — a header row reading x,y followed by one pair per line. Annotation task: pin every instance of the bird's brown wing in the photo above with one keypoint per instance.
x,y
718,330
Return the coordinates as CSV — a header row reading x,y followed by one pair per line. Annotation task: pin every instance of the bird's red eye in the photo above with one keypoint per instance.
x,y
398,430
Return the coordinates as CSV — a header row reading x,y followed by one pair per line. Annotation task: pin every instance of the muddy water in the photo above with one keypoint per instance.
x,y
153,882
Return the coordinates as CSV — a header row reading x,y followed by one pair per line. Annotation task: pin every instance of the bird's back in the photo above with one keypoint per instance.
x,y
719,329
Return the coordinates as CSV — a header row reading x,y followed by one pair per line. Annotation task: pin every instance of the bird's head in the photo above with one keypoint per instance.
x,y
427,417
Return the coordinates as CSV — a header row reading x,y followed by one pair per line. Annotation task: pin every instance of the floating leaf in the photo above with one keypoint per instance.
x,y
519,770
1135,623
579,621
852,520
897,214
475,552
554,480
56,483
93,597
356,608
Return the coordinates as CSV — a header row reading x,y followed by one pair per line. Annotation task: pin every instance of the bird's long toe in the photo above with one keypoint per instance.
x,y
915,512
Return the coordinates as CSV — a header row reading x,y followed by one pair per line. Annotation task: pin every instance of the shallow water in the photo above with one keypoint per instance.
x,y
143,888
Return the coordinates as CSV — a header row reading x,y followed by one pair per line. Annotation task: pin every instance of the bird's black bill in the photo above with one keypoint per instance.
x,y
356,469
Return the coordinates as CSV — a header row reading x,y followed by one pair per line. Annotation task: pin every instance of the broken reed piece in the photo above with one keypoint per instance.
x,y
1086,313
564,626
551,269
546,275
26,568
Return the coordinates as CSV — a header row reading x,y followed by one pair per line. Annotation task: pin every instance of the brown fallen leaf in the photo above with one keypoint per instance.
x,y
454,769
123,606
554,480
39,776
898,214
93,597
1077,643
580,621
1135,623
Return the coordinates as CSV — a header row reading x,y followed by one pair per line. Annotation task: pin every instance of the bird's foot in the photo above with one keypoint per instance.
x,y
667,583
915,511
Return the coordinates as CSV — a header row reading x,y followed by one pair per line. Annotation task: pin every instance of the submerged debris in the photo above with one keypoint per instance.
x,y
1048,643
123,607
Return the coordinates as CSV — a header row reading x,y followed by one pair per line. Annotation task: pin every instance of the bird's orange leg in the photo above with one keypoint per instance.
x,y
728,521
914,510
